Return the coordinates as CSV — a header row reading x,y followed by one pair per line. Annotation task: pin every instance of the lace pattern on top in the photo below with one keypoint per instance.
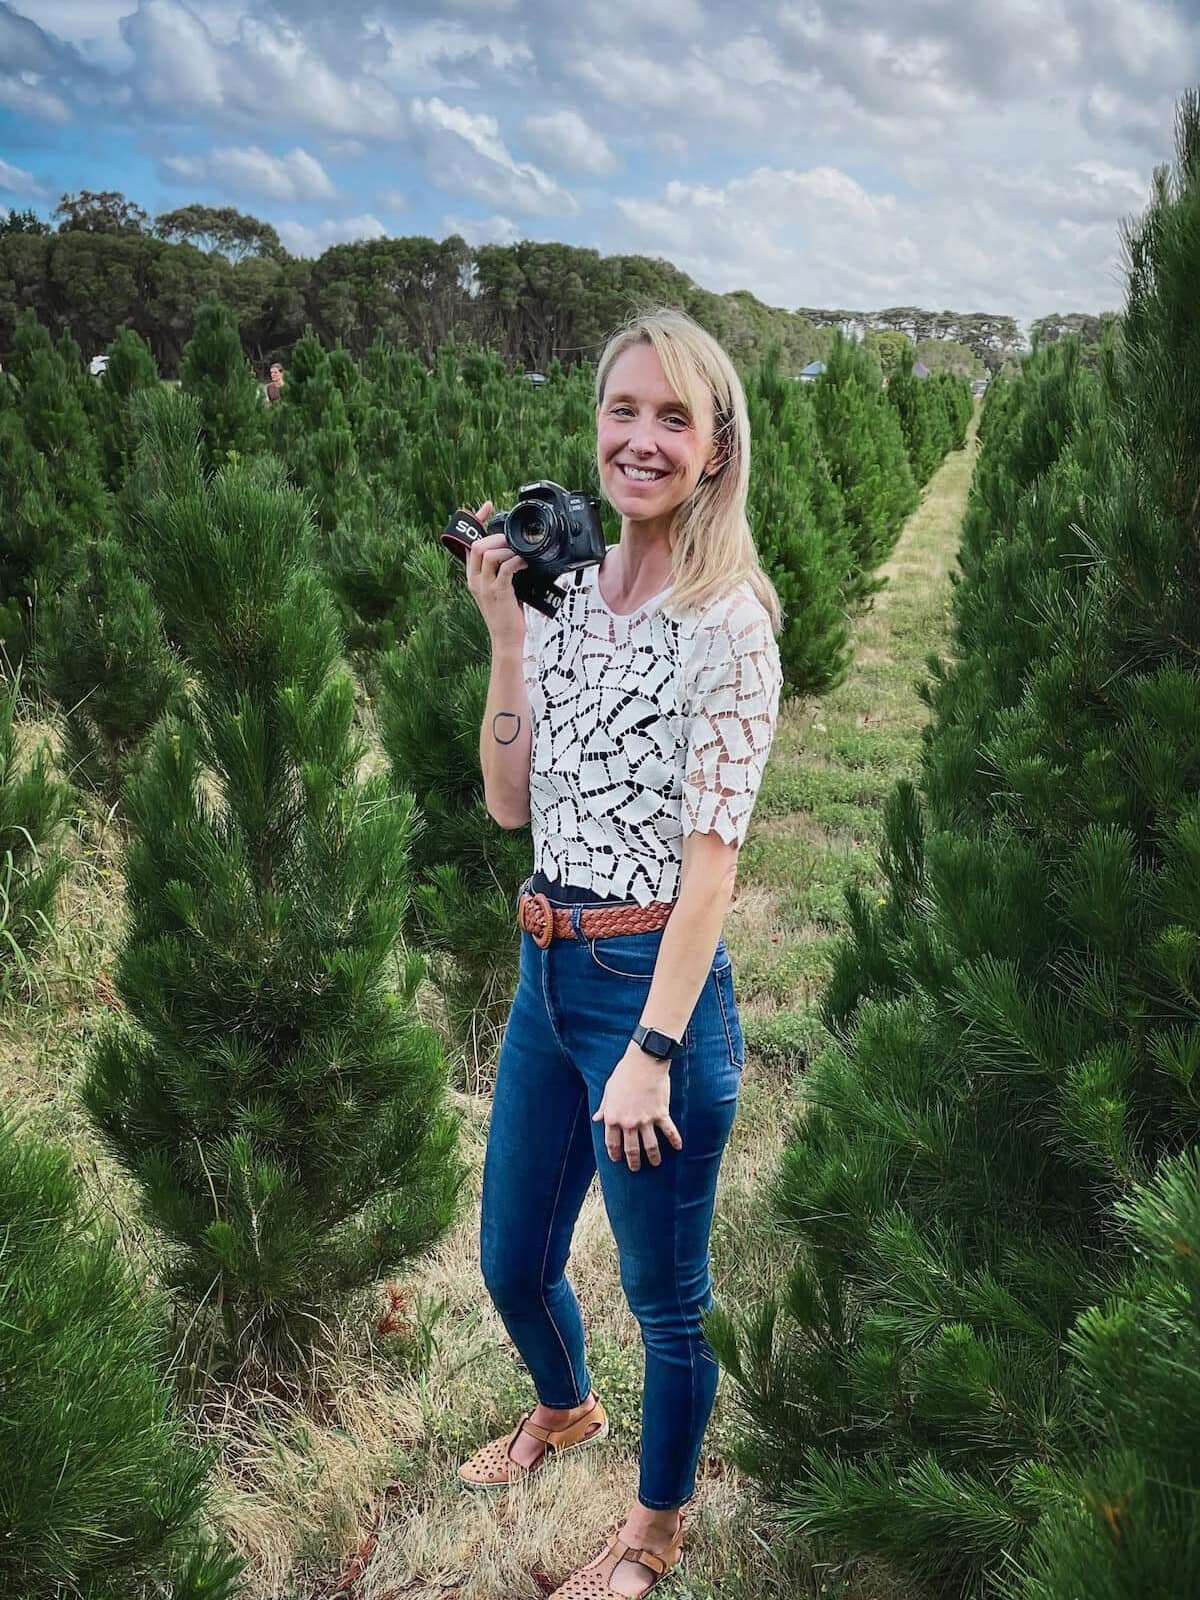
x,y
645,728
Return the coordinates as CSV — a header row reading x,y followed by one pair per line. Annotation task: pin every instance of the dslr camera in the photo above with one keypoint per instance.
x,y
554,530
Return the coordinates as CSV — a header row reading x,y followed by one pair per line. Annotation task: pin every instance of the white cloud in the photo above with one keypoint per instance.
x,y
392,199
466,155
441,54
15,180
303,240
30,99
267,70
294,177
817,237
482,230
563,139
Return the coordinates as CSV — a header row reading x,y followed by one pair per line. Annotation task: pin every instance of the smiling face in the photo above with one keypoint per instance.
x,y
651,451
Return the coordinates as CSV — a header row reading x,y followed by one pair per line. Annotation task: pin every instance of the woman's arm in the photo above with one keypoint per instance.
x,y
505,740
685,954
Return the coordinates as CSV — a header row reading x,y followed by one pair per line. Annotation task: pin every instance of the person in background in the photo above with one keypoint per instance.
x,y
274,383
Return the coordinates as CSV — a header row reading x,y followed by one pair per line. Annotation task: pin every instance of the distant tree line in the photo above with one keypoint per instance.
x,y
106,264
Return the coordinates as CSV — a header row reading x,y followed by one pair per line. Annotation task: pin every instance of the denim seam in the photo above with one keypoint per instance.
x,y
562,1173
549,1005
687,1083
733,1060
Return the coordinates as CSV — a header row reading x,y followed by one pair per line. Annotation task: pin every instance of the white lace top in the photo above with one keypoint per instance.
x,y
646,727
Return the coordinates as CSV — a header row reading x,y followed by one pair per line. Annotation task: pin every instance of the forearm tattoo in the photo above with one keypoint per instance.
x,y
506,727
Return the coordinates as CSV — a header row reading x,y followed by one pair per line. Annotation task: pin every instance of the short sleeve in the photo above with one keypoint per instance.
x,y
529,648
732,682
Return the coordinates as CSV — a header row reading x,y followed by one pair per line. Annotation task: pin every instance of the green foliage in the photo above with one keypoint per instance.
x,y
131,370
215,372
1126,1525
434,689
33,806
864,446
280,1110
108,665
99,1494
796,516
1016,1030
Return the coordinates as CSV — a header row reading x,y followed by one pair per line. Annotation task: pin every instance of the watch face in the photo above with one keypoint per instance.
x,y
655,1043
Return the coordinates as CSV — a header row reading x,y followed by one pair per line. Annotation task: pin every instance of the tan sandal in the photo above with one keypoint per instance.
x,y
494,1468
592,1582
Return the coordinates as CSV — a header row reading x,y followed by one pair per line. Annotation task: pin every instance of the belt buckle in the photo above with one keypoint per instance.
x,y
542,931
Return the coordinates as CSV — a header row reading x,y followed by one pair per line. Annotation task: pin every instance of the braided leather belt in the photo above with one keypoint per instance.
x,y
543,922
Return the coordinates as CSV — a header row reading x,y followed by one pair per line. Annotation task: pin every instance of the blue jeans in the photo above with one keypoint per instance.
x,y
576,1005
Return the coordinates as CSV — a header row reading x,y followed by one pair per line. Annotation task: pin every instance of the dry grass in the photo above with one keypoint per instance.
x,y
350,1488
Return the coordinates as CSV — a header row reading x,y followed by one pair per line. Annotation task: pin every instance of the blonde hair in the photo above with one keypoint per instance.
x,y
712,547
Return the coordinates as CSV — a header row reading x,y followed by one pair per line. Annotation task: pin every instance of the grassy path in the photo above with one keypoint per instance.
x,y
299,1472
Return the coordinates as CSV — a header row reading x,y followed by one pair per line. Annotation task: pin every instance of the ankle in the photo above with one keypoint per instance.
x,y
653,1521
557,1416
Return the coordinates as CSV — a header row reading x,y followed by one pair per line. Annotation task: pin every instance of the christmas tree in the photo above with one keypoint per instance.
x,y
864,446
33,806
215,372
796,516
271,1094
99,1494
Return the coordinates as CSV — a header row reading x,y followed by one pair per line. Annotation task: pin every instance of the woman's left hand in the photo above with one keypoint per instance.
x,y
635,1104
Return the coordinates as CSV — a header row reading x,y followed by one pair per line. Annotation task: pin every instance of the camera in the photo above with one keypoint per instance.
x,y
554,530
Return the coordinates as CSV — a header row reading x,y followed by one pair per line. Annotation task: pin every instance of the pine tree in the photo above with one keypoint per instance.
x,y
915,405
795,513
1017,1035
214,371
864,446
280,1110
99,1494
1124,1526
131,370
466,869
52,500
110,669
33,806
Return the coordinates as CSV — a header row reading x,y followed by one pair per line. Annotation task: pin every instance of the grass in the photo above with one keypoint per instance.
x,y
347,1485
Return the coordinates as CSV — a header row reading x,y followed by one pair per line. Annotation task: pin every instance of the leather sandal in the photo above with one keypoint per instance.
x,y
494,1468
592,1582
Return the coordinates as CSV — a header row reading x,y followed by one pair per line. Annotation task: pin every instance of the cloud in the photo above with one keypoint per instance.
x,y
481,230
303,240
296,176
290,178
267,70
466,155
817,237
393,199
15,180
563,139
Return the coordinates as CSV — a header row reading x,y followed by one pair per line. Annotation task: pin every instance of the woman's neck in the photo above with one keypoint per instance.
x,y
637,567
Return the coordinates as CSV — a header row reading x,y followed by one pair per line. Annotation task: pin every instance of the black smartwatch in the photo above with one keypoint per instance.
x,y
654,1043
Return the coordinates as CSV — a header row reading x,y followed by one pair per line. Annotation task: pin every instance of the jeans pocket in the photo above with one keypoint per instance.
x,y
629,955
723,980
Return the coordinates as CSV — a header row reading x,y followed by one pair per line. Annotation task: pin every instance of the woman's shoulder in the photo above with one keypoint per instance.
x,y
736,613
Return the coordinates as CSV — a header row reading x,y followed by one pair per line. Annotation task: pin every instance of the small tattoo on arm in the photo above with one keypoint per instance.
x,y
506,727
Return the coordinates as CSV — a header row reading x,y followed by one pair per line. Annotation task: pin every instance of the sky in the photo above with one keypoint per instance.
x,y
834,153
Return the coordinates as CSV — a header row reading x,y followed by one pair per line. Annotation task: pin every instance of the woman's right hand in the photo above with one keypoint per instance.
x,y
491,567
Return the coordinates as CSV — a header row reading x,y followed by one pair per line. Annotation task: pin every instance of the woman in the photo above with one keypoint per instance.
x,y
632,729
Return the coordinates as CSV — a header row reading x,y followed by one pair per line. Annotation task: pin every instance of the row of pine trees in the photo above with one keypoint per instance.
x,y
985,1368
262,663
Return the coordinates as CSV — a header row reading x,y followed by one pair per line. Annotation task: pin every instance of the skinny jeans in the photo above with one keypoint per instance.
x,y
576,1005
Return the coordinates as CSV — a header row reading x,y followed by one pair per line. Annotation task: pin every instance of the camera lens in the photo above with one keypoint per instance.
x,y
533,530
